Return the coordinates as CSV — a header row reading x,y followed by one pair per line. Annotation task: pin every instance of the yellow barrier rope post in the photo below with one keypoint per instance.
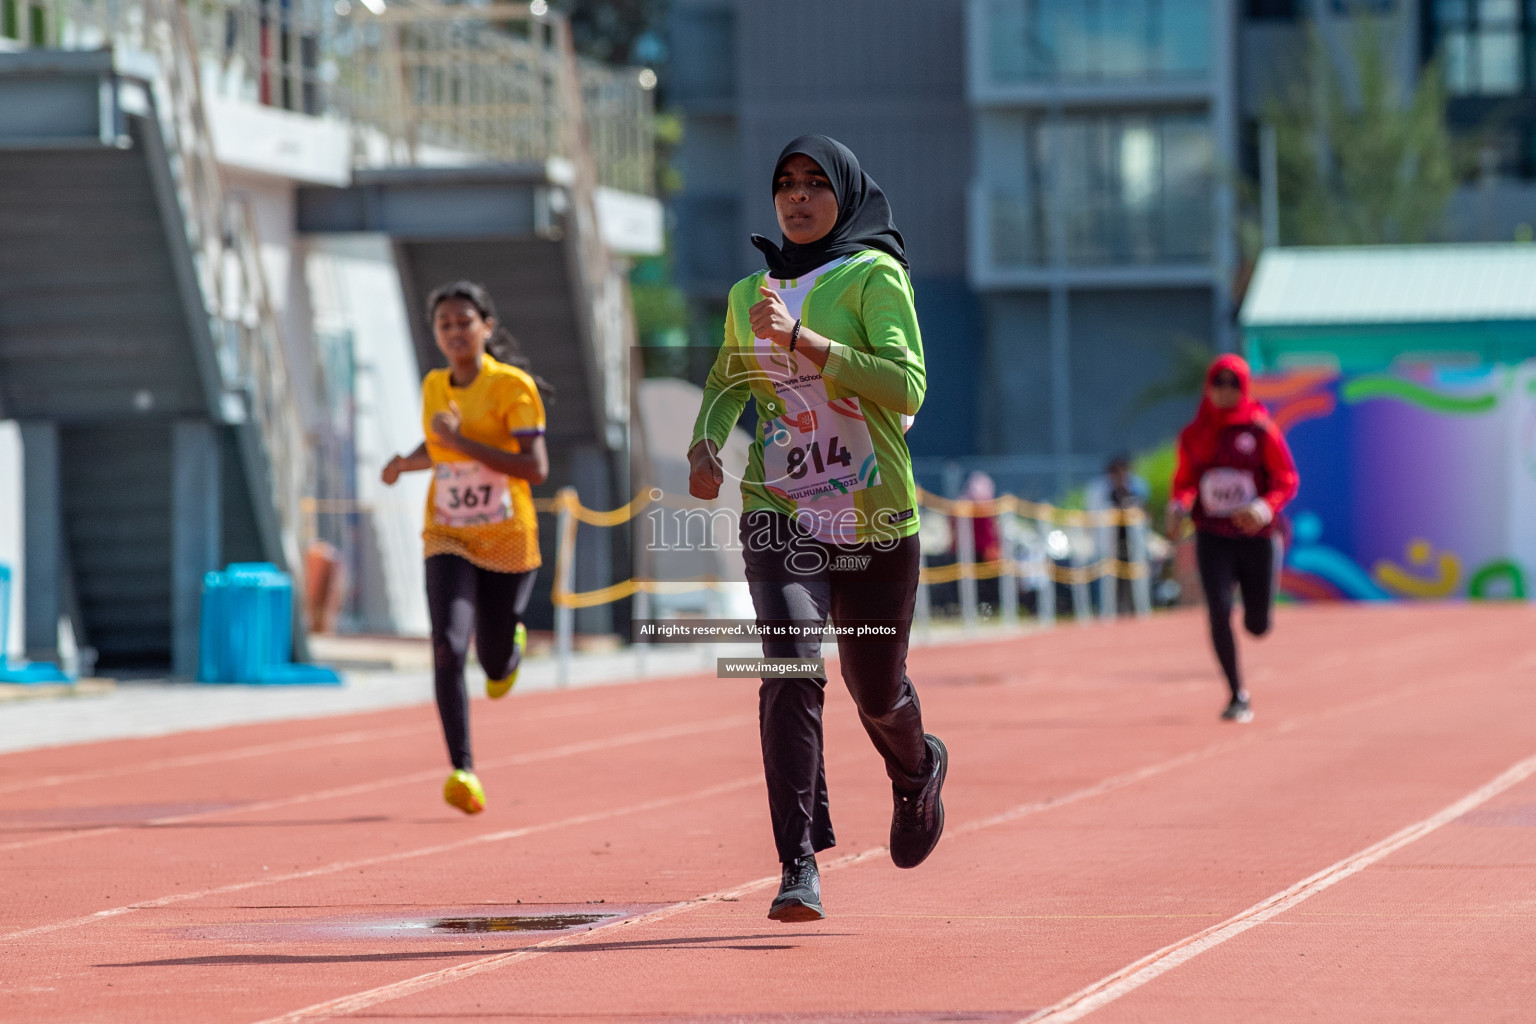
x,y
965,557
641,609
922,614
1141,582
1045,592
1007,582
565,579
1109,583
1082,601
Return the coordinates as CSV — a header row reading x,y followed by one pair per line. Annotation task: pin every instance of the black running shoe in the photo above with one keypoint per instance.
x,y
799,897
918,819
1239,710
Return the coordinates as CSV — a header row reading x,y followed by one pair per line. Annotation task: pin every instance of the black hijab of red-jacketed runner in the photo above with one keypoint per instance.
x,y
863,214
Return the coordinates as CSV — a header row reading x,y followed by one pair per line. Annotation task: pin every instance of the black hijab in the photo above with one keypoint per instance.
x,y
863,215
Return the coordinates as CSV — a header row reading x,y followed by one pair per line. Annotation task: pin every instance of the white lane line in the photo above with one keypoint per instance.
x,y
423,982
399,855
212,757
409,986
434,979
255,750
514,760
1132,976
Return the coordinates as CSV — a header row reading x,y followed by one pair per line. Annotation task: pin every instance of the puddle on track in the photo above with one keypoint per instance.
x,y
444,923
522,923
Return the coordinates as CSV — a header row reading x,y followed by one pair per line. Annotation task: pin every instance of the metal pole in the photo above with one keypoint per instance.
x,y
641,610
965,555
1082,602
1269,185
1007,580
713,605
565,576
1104,541
1141,583
1045,597
1056,215
922,614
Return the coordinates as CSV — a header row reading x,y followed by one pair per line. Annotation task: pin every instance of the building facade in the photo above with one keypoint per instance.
x,y
1066,172
1057,169
1101,219
886,78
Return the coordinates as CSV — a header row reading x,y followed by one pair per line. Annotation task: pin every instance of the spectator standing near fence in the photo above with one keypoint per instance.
x,y
1119,490
981,490
484,426
826,342
1235,473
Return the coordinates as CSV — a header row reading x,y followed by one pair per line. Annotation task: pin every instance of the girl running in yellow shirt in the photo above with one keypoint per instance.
x,y
484,424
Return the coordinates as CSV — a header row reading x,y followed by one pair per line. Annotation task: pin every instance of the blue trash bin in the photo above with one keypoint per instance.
x,y
246,625
246,631
260,616
24,672
5,611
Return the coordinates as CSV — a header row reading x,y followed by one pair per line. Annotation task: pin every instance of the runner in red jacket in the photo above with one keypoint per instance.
x,y
1235,474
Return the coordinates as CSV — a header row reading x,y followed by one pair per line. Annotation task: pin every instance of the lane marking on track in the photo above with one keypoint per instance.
x,y
213,757
448,975
1134,975
400,855
513,760
255,750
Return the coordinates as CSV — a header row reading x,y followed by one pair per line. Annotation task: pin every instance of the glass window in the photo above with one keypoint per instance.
x,y
1498,12
1457,50
1186,32
1484,44
1129,190
1097,40
1499,63
1127,39
1272,10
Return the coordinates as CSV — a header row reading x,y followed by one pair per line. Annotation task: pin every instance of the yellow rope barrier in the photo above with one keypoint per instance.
x,y
630,587
960,508
964,508
1068,575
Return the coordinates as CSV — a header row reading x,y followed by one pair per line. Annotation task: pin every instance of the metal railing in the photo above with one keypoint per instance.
x,y
249,357
269,388
424,82
428,83
277,54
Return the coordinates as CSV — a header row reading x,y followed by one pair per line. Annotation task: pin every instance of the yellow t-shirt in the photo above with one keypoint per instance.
x,y
473,511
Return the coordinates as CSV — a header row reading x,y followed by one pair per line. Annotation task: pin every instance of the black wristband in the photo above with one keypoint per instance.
x,y
794,336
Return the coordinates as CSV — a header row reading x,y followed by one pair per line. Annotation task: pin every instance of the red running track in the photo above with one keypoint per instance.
x,y
1363,851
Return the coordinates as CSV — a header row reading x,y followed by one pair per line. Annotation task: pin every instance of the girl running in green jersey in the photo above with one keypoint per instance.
x,y
825,341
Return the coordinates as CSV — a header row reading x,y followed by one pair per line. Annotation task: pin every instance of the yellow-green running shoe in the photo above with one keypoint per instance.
x,y
501,687
463,791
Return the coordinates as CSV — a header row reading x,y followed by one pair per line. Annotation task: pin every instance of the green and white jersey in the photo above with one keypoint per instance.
x,y
830,448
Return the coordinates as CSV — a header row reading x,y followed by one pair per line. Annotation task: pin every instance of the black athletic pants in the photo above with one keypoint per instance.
x,y
1253,565
464,599
794,578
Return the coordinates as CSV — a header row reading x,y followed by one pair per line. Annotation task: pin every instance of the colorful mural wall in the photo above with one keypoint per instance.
x,y
1419,484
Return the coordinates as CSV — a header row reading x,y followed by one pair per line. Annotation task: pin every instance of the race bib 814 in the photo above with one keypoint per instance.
x,y
823,450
